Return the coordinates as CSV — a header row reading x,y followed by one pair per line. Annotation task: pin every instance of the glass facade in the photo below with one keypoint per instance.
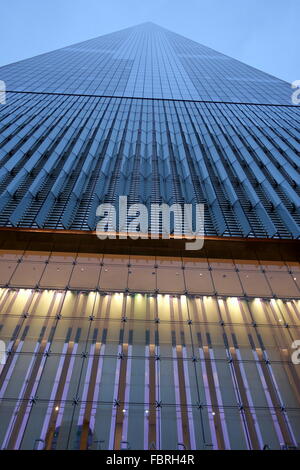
x,y
62,156
150,115
120,351
109,363
145,61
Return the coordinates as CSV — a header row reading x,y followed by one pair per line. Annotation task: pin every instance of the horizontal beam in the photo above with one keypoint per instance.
x,y
87,242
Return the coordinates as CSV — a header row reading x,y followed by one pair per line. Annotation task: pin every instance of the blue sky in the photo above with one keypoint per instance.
x,y
262,33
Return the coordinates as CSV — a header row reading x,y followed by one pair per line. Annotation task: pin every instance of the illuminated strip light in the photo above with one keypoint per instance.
x,y
64,364
11,367
219,399
97,389
126,394
19,347
33,392
100,359
189,400
115,396
286,419
5,293
249,397
233,378
280,398
146,397
296,308
157,397
16,292
208,400
40,444
86,385
19,401
66,386
258,358
177,396
268,398
1,367
249,413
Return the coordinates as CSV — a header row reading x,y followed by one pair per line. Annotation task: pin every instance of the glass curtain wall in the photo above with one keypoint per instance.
x,y
92,369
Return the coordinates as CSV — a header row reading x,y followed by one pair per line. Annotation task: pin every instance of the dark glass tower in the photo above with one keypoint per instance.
x,y
148,114
118,344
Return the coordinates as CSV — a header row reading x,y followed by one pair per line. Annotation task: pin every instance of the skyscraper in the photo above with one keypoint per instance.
x,y
141,344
